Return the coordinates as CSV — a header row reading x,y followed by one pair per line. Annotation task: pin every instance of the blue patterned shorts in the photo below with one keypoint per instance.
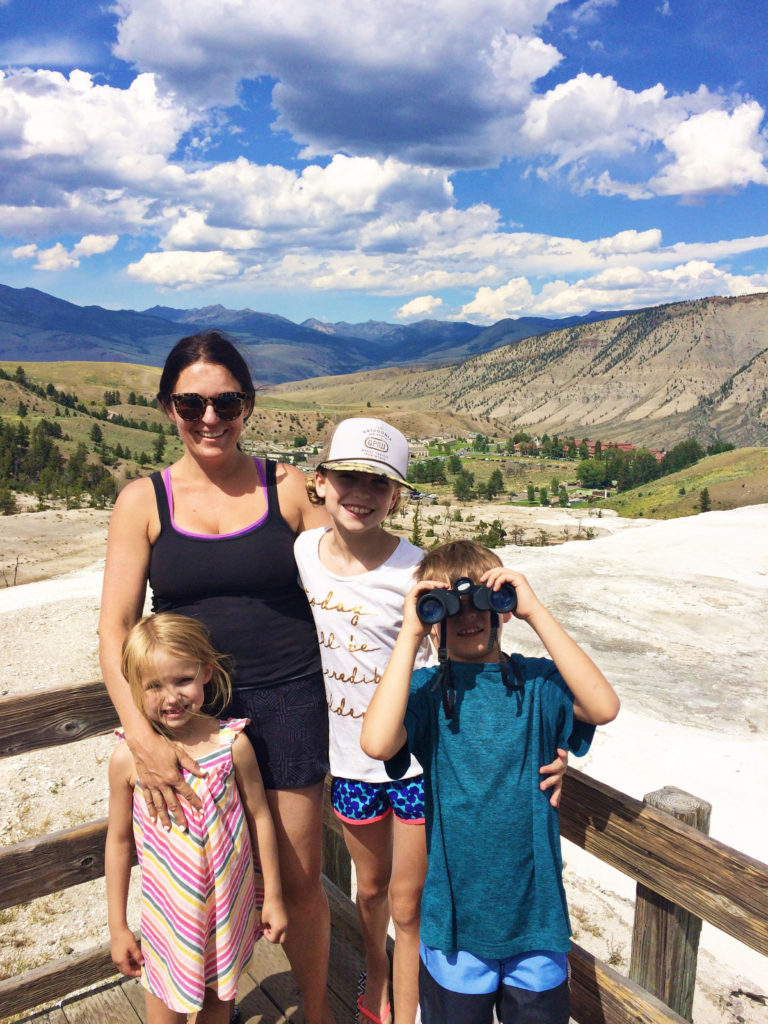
x,y
362,803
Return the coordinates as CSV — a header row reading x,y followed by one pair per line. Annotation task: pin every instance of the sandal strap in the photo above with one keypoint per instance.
x,y
367,1013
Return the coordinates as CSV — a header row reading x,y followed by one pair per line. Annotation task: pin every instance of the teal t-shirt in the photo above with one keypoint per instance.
x,y
494,880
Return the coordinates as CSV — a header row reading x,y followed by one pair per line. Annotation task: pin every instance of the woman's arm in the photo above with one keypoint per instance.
x,y
118,860
263,838
295,507
122,602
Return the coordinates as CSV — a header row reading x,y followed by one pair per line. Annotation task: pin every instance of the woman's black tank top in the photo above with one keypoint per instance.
x,y
244,586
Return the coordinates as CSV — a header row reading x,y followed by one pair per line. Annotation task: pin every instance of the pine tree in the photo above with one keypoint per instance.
x,y
416,537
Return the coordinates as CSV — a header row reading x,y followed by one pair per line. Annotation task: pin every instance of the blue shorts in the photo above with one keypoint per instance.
x,y
362,803
461,988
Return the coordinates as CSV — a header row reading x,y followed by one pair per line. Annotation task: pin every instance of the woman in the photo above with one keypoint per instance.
x,y
213,536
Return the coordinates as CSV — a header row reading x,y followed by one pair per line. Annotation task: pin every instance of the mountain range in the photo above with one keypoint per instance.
x,y
654,376
38,327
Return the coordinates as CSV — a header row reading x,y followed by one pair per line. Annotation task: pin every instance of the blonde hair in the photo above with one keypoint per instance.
x,y
454,559
181,637
315,499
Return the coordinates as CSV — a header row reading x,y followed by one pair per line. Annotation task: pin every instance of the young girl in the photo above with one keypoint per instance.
x,y
199,896
356,576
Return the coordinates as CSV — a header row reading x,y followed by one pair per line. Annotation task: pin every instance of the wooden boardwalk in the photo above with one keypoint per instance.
x,y
267,993
677,868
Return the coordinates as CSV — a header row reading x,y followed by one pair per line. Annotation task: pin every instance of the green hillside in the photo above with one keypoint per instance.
x,y
75,432
732,479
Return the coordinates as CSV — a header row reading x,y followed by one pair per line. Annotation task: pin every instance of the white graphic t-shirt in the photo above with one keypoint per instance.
x,y
357,620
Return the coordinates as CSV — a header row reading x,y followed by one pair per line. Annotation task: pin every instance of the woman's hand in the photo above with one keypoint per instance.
x,y
159,766
556,773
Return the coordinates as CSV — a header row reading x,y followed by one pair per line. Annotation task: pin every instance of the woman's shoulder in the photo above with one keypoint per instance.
x,y
295,506
290,478
137,493
134,509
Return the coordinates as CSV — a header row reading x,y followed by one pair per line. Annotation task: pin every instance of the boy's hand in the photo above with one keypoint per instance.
x,y
274,920
556,772
527,602
594,699
125,953
411,621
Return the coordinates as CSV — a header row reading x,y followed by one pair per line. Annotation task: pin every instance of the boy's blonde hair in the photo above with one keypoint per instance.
x,y
183,638
456,558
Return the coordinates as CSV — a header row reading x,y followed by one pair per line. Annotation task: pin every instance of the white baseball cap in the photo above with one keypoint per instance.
x,y
366,445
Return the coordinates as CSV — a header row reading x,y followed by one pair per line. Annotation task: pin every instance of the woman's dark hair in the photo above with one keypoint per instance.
x,y
205,347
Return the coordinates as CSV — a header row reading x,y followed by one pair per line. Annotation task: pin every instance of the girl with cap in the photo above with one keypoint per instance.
x,y
356,575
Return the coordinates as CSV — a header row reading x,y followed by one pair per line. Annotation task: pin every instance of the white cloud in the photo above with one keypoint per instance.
x,y
55,258
629,242
492,304
92,245
69,133
422,306
430,81
592,114
319,230
715,151
628,287
59,258
183,270
590,10
92,210
604,185
24,252
46,51
591,119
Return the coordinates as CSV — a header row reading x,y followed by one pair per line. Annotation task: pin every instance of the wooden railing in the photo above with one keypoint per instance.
x,y
699,874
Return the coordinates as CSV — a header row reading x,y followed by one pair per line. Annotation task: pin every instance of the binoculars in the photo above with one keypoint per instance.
x,y
436,605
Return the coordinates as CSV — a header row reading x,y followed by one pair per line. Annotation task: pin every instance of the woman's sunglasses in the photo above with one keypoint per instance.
x,y
228,405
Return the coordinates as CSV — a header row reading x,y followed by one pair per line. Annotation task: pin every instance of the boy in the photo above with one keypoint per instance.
x,y
494,921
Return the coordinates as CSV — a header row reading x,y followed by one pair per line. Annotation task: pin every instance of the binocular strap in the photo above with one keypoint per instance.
x,y
447,691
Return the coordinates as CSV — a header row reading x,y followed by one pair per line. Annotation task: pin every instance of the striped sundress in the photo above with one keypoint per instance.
x,y
198,893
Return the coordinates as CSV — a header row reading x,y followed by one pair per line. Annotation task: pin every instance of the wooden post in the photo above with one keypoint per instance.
x,y
665,939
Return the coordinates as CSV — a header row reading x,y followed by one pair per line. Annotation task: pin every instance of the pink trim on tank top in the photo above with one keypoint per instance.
x,y
216,536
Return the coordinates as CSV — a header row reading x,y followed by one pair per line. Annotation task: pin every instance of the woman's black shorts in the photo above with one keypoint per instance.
x,y
288,730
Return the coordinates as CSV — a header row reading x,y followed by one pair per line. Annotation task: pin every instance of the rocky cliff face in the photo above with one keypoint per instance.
x,y
695,367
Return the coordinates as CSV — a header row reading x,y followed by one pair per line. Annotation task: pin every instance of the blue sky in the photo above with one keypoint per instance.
x,y
398,160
